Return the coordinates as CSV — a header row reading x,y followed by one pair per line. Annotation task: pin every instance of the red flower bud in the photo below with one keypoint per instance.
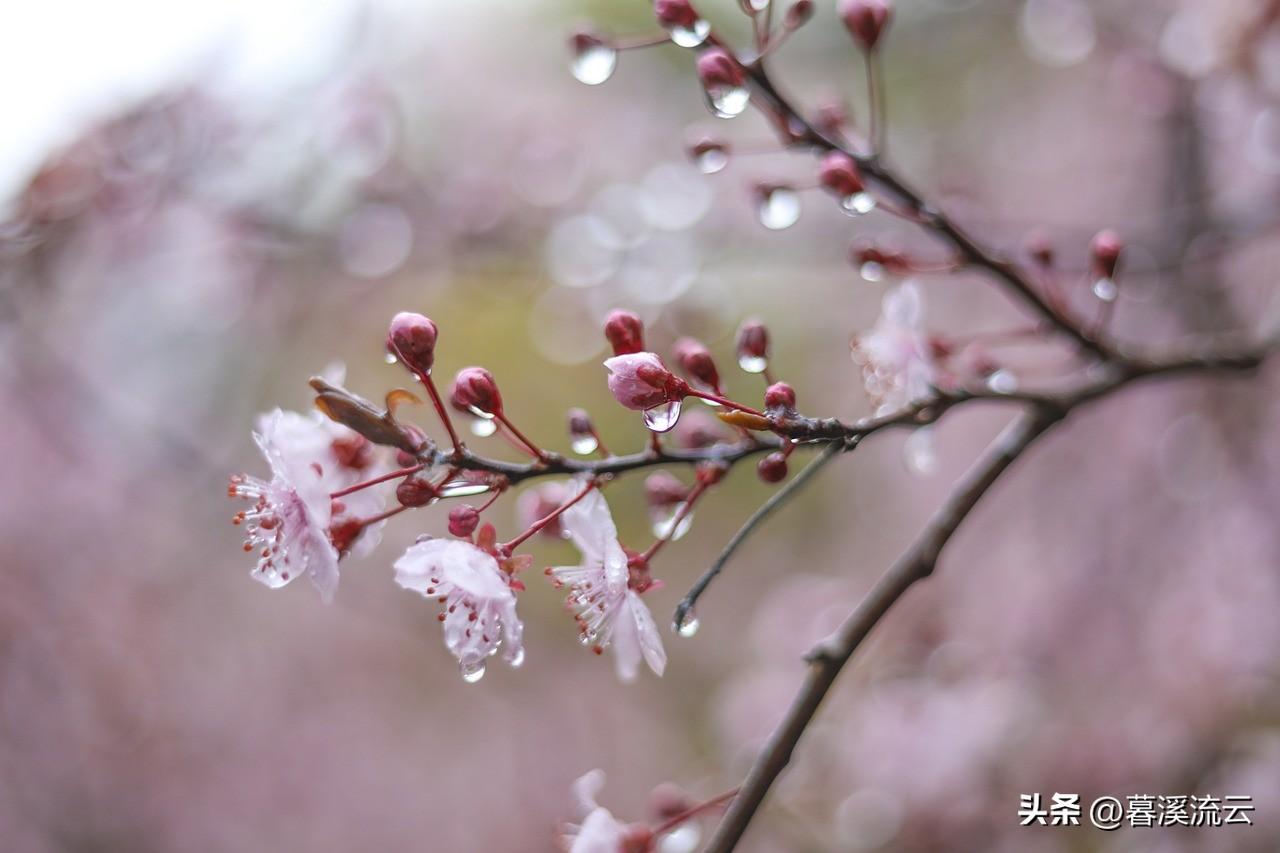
x,y
839,175
412,339
580,423
641,381
799,14
772,468
463,520
475,390
1105,252
625,332
865,19
662,489
718,70
415,491
780,395
753,346
675,13
695,360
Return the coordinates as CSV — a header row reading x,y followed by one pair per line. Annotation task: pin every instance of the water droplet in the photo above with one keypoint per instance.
x,y
918,452
728,101
872,271
1002,381
472,672
463,489
711,160
390,358
858,203
483,427
1105,289
691,36
682,839
584,444
594,64
665,520
779,208
663,416
517,660
759,5
752,363
689,625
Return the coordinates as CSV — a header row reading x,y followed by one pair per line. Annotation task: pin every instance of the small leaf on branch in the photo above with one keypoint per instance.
x,y
377,425
745,420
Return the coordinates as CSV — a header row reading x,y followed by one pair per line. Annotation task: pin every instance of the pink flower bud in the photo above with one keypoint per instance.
x,y
641,381
474,390
780,395
839,175
772,468
580,423
463,520
1105,251
675,13
625,332
799,14
662,489
865,19
415,491
584,39
753,342
412,339
695,360
718,70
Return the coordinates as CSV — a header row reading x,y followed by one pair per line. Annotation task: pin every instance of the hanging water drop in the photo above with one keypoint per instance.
x,y
752,363
918,452
483,427
728,101
711,160
759,5
688,625
594,62
779,208
584,444
517,660
472,672
872,271
390,358
1002,381
1105,289
663,416
858,204
692,35
462,489
665,527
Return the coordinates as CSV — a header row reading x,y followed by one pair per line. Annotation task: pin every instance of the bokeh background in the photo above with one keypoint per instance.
x,y
204,204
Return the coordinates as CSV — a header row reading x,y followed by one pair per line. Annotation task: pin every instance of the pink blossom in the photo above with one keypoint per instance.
x,y
898,366
288,525
641,381
479,605
600,831
609,610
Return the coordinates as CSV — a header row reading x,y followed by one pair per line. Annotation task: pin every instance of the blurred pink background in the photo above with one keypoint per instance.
x,y
200,211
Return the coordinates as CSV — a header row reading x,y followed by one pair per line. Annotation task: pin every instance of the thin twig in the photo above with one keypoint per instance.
x,y
765,510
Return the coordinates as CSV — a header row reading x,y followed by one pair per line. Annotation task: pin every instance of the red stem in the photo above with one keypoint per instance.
x,y
547,519
403,472
458,446
538,452
673,822
383,516
685,508
724,401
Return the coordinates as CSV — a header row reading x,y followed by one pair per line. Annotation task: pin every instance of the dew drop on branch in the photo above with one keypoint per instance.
x,y
594,64
858,204
728,101
688,626
584,444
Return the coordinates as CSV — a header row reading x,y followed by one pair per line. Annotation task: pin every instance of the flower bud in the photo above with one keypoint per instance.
x,y
412,339
675,13
463,520
641,381
475,390
839,175
625,332
580,423
718,70
865,19
1104,253
662,489
753,346
415,491
781,396
695,360
799,14
772,468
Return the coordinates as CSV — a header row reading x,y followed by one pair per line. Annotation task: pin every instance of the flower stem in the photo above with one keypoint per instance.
x,y
672,822
685,508
725,401
537,452
507,547
427,382
402,472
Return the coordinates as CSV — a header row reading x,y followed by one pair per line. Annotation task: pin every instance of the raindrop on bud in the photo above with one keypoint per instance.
x,y
753,346
594,59
472,672
678,17
724,82
517,660
584,445
663,416
664,523
1002,381
858,203
709,155
872,271
390,358
475,390
463,489
1105,289
483,426
778,206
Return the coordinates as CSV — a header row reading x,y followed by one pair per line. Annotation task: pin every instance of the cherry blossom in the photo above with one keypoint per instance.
x,y
479,613
641,381
897,363
603,591
600,831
